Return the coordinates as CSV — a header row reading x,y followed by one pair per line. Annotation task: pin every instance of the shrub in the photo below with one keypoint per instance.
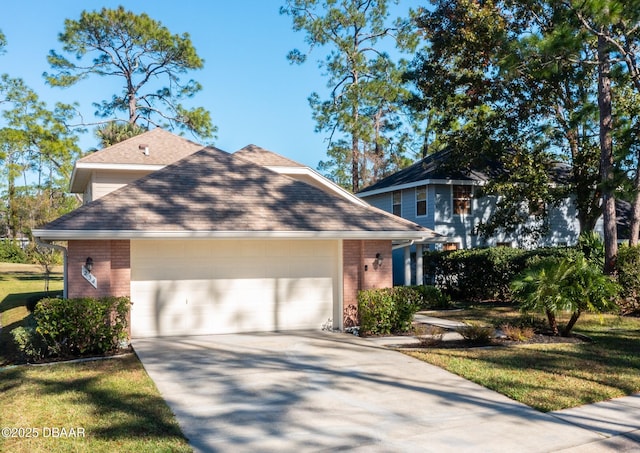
x,y
29,342
429,335
628,271
388,310
569,284
517,333
476,333
10,252
483,274
432,297
75,327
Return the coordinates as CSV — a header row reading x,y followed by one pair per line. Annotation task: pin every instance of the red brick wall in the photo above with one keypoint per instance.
x,y
356,255
111,267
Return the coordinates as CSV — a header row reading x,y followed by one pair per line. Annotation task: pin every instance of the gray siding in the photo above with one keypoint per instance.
x,y
564,228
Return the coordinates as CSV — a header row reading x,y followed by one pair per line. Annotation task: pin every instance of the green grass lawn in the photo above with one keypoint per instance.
x,y
113,403
549,377
19,283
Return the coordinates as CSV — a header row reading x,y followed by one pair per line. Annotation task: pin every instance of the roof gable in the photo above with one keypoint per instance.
x,y
149,151
163,148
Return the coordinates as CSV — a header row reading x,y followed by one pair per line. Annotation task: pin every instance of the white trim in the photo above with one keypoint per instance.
x,y
325,182
422,182
138,234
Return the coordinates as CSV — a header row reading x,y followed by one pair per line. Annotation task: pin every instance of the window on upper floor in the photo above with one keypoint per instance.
x,y
421,201
450,246
397,203
461,200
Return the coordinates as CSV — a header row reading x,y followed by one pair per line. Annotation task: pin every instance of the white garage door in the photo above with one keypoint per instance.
x,y
197,287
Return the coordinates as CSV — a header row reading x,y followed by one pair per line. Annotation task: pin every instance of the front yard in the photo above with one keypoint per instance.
x,y
548,377
105,405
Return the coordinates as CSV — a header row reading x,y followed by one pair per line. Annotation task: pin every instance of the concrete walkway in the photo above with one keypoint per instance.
x,y
320,391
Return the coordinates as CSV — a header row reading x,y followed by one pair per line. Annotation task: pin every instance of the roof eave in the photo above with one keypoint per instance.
x,y
66,235
423,182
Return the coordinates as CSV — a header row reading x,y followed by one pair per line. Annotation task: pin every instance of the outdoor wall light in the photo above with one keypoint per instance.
x,y
378,259
89,264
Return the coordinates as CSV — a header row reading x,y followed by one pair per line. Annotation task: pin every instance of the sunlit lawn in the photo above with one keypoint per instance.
x,y
550,376
113,403
19,283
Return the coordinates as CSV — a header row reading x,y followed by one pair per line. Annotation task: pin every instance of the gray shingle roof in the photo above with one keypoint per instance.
x,y
264,157
164,148
437,166
214,191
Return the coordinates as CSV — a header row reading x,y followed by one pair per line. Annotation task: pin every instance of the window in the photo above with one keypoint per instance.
x,y
397,203
537,208
450,246
421,201
462,200
503,244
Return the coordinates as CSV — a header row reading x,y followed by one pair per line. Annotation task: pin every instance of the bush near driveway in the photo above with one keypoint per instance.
x,y
388,310
77,327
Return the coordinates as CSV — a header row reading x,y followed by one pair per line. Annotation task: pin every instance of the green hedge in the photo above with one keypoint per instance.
x,y
388,310
11,252
483,274
628,272
77,327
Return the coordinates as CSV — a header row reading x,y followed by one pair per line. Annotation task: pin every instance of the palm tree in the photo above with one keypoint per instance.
x,y
572,284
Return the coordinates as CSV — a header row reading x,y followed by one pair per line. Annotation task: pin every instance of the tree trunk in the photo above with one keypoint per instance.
x,y
553,322
606,156
634,216
355,154
572,322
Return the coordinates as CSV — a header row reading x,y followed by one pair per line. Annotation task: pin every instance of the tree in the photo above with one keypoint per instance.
x,y
35,140
571,284
140,52
362,112
111,133
501,103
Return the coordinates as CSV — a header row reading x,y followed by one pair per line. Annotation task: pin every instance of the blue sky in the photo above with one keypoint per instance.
x,y
253,93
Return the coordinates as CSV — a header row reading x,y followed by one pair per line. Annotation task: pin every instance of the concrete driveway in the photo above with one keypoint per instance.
x,y
320,391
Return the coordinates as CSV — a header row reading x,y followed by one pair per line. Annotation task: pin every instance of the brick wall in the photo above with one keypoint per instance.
x,y
111,267
361,271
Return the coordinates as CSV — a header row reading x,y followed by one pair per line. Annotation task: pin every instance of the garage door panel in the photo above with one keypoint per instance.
x,y
296,290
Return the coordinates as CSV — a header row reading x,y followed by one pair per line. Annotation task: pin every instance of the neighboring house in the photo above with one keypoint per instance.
x,y
218,243
444,200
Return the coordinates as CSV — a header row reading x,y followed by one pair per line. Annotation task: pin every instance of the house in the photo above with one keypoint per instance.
x,y
219,243
445,200
104,171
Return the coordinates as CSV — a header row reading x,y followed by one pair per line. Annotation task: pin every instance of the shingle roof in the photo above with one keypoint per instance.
x,y
437,167
164,148
264,157
214,191
431,167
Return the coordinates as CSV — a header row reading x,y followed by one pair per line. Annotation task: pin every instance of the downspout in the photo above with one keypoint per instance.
x,y
403,245
64,262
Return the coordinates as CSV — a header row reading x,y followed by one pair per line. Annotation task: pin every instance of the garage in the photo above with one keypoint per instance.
x,y
200,287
